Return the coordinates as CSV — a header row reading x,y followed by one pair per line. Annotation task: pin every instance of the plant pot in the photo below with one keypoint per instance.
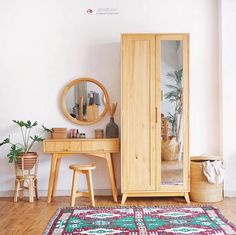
x,y
169,150
27,160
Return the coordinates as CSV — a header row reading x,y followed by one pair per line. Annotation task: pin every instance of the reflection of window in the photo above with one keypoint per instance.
x,y
94,98
87,101
81,90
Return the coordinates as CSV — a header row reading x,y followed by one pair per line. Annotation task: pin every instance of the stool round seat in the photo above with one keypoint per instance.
x,y
82,167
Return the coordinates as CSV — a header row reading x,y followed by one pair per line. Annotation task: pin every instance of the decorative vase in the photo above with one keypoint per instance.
x,y
112,130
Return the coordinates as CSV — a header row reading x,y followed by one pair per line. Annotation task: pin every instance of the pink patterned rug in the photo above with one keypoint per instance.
x,y
140,220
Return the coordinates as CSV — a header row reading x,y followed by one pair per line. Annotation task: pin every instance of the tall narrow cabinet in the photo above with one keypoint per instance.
x,y
154,133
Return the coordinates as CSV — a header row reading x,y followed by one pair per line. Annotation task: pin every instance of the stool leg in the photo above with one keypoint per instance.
x,y
90,187
36,188
17,187
21,193
31,195
74,187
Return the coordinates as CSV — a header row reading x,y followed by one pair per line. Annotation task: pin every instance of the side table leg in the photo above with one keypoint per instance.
x,y
52,176
111,176
56,177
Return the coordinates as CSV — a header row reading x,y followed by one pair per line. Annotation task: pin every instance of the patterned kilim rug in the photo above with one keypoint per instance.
x,y
140,220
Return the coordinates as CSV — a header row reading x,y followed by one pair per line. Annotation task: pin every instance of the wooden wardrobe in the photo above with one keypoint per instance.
x,y
154,112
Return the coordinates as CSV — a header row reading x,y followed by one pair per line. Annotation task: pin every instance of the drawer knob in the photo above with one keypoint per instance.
x,y
65,150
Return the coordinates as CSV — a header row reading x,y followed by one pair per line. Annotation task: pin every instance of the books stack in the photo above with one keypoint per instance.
x,y
59,133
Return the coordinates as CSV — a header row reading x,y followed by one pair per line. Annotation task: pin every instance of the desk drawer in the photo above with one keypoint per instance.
x,y
100,146
62,147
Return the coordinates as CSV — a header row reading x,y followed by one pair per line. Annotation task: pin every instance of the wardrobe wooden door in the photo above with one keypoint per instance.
x,y
138,113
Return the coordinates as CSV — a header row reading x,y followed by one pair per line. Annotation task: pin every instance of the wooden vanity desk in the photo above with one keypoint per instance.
x,y
59,148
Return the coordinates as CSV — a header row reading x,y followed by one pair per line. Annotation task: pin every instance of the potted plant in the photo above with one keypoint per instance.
x,y
18,150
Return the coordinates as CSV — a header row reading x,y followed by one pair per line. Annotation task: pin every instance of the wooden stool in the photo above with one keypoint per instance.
x,y
82,169
26,171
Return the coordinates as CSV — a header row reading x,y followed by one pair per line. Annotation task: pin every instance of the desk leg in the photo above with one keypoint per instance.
x,y
52,176
111,176
56,177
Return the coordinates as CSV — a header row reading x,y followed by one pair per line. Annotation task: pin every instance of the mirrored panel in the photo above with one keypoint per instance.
x,y
84,101
171,112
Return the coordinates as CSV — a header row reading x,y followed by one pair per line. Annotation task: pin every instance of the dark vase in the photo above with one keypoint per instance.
x,y
112,130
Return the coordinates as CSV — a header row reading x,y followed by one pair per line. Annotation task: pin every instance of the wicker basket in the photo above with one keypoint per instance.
x,y
169,150
200,189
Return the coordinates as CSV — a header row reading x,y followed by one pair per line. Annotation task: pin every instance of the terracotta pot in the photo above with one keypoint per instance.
x,y
29,160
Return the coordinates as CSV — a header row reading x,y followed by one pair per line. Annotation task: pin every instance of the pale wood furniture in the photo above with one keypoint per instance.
x,y
87,170
141,116
92,112
59,148
26,173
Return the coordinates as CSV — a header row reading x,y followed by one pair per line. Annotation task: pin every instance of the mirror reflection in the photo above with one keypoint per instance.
x,y
85,101
172,112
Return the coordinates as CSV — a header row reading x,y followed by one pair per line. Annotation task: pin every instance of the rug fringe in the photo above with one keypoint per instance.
x,y
133,206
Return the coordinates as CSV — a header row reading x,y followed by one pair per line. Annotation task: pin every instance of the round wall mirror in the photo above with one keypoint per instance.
x,y
84,101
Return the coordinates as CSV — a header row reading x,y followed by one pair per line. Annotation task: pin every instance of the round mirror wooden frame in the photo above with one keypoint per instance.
x,y
105,100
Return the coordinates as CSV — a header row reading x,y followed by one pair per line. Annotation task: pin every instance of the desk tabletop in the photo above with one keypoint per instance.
x,y
82,139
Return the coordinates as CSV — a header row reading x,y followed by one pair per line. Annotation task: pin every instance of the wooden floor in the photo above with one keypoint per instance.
x,y
32,218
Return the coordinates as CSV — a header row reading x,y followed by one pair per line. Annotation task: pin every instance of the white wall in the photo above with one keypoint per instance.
x,y
46,44
227,10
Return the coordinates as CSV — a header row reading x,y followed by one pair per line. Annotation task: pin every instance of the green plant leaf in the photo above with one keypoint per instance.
x,y
35,124
19,123
47,129
36,138
5,141
28,124
14,153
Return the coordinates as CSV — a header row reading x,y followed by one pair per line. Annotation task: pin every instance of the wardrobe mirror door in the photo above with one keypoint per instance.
x,y
171,112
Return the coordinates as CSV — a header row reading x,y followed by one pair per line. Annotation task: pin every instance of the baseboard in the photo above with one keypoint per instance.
x,y
43,193
230,193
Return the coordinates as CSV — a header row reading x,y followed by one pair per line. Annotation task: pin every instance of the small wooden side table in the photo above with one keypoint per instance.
x,y
59,148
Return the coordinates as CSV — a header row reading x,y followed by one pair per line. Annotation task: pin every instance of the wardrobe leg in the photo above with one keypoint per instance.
x,y
186,196
124,197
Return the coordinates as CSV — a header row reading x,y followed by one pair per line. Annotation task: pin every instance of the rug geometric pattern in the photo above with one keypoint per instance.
x,y
140,220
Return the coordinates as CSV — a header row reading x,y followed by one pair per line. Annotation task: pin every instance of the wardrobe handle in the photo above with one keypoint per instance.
x,y
155,114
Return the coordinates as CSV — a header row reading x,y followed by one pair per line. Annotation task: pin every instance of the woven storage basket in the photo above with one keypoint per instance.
x,y
169,150
200,189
